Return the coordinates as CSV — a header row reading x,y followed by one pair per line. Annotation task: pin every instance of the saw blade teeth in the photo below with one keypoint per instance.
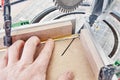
x,y
58,7
56,4
66,11
79,3
75,8
64,8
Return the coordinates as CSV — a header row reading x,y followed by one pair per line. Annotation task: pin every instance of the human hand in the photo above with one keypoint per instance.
x,y
19,64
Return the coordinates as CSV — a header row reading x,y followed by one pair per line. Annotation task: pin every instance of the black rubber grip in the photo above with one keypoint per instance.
x,y
7,41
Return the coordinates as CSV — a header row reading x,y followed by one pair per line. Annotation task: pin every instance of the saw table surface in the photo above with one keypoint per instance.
x,y
74,60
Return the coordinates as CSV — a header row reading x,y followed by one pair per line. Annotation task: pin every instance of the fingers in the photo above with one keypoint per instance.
x,y
14,52
29,50
42,60
4,61
67,76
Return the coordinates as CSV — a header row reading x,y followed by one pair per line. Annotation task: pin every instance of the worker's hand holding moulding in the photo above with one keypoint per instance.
x,y
19,62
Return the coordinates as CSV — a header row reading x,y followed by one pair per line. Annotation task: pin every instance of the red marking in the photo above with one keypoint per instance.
x,y
2,4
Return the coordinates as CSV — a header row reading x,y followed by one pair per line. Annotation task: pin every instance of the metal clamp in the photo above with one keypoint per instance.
x,y
7,23
107,72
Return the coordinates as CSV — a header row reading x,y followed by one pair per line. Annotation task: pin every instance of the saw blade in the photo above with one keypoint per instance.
x,y
67,5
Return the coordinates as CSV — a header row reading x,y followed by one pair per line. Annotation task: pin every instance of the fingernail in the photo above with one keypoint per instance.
x,y
50,40
70,75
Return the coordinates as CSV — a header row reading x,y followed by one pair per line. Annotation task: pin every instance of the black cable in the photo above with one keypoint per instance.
x,y
85,4
116,15
115,47
15,2
42,14
66,14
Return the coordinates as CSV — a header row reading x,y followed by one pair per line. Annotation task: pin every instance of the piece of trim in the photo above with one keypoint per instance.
x,y
44,32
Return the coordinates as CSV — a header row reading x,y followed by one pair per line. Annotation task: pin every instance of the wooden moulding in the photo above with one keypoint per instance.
x,y
55,30
92,53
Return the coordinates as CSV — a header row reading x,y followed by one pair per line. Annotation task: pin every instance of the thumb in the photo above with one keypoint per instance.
x,y
66,76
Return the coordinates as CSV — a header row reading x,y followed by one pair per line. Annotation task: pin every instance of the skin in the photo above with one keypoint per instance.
x,y
18,62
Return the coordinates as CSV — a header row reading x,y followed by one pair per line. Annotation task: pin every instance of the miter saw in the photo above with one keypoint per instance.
x,y
106,72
